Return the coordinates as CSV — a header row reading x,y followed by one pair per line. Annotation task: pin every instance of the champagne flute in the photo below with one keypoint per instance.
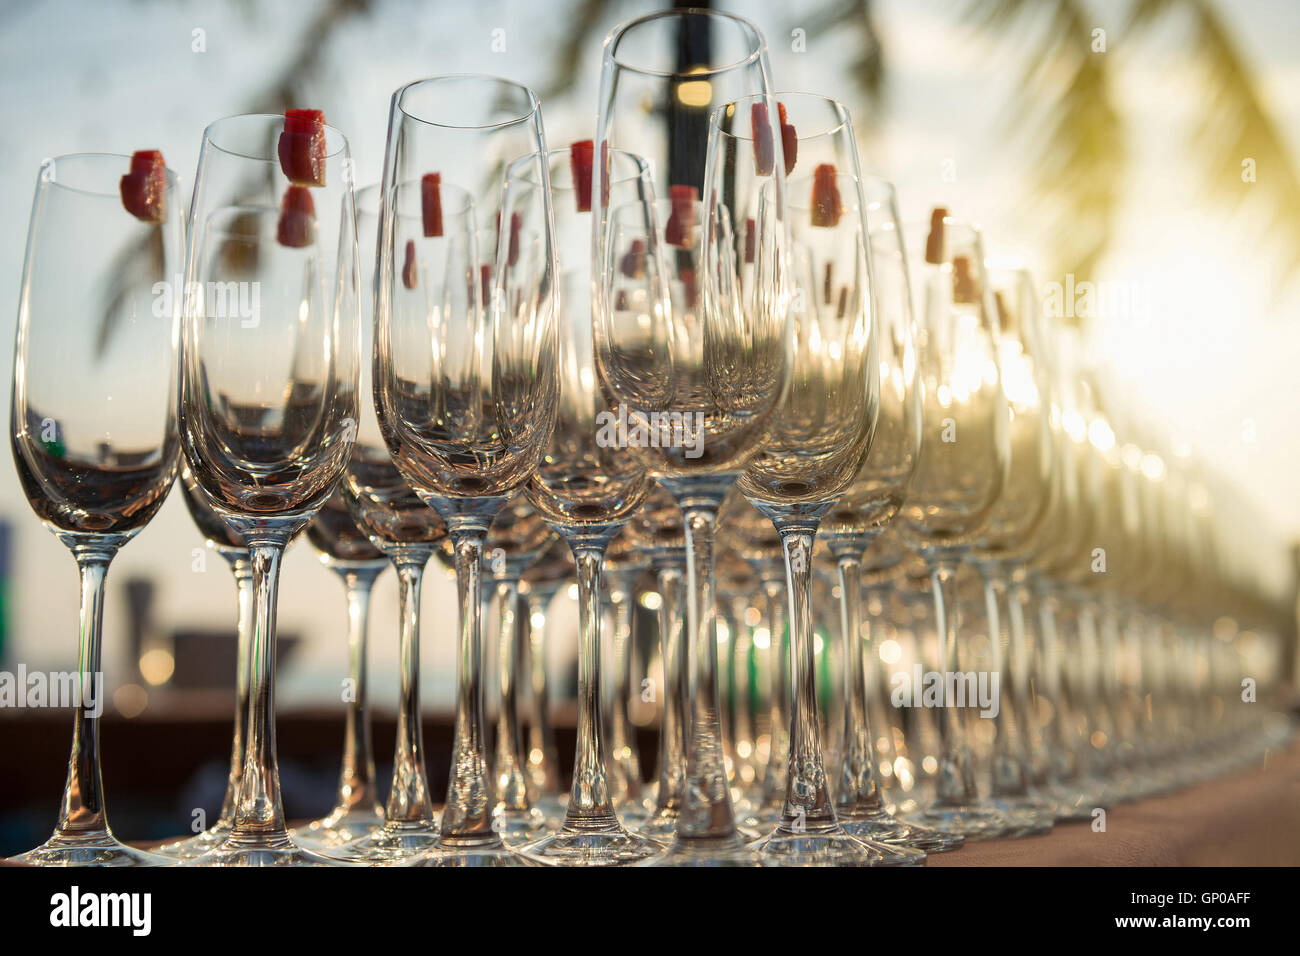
x,y
93,422
817,443
231,547
269,397
466,395
865,510
702,350
1024,358
587,486
958,478
394,520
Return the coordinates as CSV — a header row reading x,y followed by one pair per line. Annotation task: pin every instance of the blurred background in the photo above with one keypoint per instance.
x,y
1148,147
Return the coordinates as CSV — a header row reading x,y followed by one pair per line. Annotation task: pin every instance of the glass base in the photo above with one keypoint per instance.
x,y
392,843
729,851
1026,815
519,826
96,849
340,827
974,821
261,851
197,845
883,828
832,847
490,852
612,847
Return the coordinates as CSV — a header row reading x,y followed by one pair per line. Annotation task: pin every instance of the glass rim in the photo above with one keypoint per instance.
x,y
376,190
682,13
50,164
845,119
562,152
208,139
535,103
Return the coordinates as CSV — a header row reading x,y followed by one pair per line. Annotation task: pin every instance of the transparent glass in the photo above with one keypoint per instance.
x,y
93,423
586,488
269,395
958,478
466,383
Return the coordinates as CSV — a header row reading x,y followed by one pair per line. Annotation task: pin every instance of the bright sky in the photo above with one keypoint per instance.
x,y
1218,349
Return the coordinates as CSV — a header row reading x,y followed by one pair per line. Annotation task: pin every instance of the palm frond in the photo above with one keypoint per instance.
x,y
1235,125
1064,121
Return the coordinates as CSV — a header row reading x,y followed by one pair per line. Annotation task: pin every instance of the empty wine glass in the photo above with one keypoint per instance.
x,y
697,349
816,444
269,392
1024,358
586,487
958,478
93,424
465,392
392,517
865,510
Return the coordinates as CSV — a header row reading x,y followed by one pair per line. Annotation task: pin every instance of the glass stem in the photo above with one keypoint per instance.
x,y
706,813
1008,772
242,567
81,812
408,797
955,781
512,784
808,806
543,761
672,649
1024,686
357,776
1065,766
590,806
626,764
467,817
778,721
259,814
859,790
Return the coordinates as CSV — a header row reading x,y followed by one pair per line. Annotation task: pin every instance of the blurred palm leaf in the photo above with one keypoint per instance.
x,y
1234,125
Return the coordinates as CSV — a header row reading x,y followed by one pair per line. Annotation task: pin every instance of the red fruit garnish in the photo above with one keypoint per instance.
x,y
751,240
516,223
302,147
687,275
297,226
789,140
679,229
827,206
485,282
633,262
934,241
144,188
410,272
964,286
764,156
581,156
431,204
